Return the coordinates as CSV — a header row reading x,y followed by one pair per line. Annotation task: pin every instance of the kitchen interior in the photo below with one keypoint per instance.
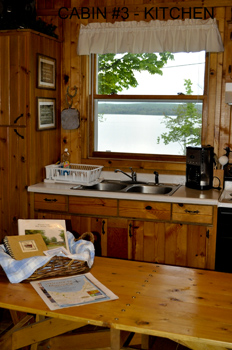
x,y
153,208
171,210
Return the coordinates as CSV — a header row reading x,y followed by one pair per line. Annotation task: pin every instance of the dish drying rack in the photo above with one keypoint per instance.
x,y
83,174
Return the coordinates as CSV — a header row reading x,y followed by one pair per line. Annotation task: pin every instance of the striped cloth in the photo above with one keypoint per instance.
x,y
19,270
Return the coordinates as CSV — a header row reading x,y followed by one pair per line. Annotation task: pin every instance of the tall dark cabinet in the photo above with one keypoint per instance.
x,y
24,150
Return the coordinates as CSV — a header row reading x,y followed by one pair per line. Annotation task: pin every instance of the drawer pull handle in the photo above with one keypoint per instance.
x,y
50,200
17,133
148,207
103,227
192,211
15,121
130,231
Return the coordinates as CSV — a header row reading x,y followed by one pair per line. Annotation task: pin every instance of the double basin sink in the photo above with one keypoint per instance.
x,y
130,187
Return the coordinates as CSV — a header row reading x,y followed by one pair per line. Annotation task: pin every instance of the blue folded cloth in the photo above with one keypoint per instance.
x,y
19,270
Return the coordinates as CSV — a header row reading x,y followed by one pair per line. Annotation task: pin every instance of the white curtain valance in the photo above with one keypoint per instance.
x,y
190,35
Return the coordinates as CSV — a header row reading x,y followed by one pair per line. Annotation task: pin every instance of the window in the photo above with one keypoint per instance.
x,y
147,104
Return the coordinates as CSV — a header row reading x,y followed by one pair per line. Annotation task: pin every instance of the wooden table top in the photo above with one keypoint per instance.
x,y
182,304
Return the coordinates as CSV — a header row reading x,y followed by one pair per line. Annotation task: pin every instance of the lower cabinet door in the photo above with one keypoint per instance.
x,y
117,238
146,241
167,243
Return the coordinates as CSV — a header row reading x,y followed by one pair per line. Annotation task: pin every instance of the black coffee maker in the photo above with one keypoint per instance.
x,y
199,167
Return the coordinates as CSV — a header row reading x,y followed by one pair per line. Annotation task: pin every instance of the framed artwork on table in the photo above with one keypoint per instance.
x,y
46,72
46,113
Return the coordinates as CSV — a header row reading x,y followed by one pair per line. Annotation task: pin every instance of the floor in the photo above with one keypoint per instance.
x,y
88,338
5,321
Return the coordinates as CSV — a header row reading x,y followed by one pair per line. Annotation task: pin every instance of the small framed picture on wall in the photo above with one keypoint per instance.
x,y
46,72
46,113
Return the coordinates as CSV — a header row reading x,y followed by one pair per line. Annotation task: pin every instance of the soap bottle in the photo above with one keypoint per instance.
x,y
65,158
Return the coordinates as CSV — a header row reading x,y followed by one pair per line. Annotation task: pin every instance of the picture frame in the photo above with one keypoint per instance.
x,y
46,113
46,72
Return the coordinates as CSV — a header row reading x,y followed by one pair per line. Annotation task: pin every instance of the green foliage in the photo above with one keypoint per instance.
x,y
46,240
62,235
185,127
116,72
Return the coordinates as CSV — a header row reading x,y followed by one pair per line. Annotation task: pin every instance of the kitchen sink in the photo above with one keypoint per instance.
x,y
105,186
150,189
130,187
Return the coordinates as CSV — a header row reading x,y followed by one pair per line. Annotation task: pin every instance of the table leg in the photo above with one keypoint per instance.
x,y
120,339
145,341
38,318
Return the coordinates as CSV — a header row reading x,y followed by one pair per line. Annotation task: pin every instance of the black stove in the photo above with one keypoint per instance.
x,y
224,226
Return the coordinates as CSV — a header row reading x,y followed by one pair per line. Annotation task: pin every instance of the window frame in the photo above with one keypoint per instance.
x,y
138,156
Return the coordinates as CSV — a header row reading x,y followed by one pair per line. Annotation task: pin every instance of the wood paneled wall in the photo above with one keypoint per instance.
x,y
24,151
217,128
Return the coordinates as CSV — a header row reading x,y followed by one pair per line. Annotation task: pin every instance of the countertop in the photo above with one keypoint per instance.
x,y
183,194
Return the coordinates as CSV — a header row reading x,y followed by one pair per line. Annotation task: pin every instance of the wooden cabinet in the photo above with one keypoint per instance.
x,y
167,233
24,151
13,178
14,72
96,206
50,202
145,210
194,213
168,243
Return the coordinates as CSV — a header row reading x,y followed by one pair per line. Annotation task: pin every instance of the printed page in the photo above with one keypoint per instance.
x,y
72,291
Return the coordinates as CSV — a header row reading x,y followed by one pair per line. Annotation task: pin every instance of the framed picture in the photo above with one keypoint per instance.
x,y
46,77
46,113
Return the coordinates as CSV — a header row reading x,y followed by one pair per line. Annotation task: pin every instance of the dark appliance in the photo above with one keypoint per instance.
x,y
223,261
199,167
228,172
224,240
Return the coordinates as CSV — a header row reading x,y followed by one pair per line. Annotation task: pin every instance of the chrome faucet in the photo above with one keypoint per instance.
x,y
133,175
156,177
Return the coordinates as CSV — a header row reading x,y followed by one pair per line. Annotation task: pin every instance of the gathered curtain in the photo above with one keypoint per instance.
x,y
190,35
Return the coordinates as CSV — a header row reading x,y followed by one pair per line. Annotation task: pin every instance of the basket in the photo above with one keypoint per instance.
x,y
62,266
59,266
75,173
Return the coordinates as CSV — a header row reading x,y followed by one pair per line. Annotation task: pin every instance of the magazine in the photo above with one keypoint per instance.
x,y
72,291
52,231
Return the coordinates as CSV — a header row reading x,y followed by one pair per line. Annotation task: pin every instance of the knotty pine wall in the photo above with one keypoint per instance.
x,y
217,129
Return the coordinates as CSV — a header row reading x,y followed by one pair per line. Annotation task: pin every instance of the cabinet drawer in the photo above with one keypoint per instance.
x,y
51,202
192,213
145,210
93,206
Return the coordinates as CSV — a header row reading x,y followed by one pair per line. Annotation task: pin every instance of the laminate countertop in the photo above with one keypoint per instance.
x,y
181,195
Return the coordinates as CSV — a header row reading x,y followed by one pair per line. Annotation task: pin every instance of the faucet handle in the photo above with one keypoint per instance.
x,y
133,175
156,177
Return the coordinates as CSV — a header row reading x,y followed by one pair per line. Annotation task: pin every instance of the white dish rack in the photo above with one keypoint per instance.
x,y
83,174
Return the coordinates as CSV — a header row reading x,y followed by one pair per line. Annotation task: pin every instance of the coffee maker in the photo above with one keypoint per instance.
x,y
199,167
